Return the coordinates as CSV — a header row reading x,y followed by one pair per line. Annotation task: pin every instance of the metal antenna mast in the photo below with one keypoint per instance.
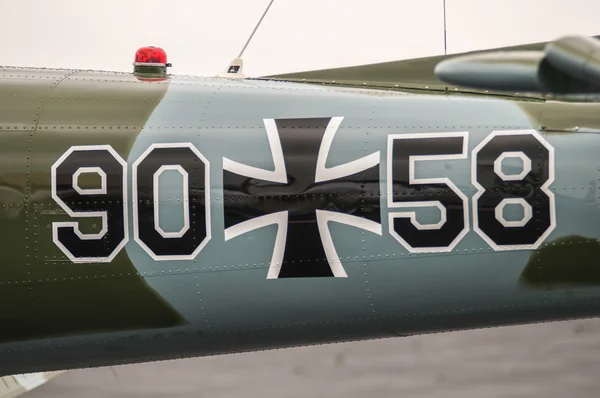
x,y
235,69
445,40
256,28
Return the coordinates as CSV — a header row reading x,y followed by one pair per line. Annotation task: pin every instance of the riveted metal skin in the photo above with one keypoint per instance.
x,y
154,219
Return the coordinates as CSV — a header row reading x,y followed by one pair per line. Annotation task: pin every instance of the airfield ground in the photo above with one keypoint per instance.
x,y
560,359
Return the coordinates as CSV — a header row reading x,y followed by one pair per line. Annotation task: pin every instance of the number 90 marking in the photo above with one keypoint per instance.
x,y
109,202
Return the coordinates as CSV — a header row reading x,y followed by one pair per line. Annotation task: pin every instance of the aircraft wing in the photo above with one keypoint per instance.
x,y
420,74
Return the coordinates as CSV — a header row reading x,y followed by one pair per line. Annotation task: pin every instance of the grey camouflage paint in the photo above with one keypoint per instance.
x,y
225,302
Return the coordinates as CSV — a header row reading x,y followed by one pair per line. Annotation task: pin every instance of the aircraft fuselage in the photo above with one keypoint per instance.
x,y
146,220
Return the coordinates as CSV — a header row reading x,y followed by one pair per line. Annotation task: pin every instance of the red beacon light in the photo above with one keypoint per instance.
x,y
150,63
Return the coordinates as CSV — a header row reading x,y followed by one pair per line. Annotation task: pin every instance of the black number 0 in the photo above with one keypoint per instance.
x,y
147,232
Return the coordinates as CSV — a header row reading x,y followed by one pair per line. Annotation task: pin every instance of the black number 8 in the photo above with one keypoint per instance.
x,y
529,189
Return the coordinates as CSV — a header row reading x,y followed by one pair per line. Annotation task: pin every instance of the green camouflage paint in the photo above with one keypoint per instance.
x,y
42,294
107,313
567,262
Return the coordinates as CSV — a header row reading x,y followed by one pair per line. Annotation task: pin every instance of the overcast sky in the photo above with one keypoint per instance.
x,y
201,36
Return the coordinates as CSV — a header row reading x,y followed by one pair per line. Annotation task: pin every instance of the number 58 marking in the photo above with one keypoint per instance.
x,y
495,190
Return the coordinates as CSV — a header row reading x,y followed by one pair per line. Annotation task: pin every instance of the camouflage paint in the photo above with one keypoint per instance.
x,y
42,294
409,75
567,262
66,313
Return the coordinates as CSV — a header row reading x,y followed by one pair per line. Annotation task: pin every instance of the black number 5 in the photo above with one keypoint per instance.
x,y
404,190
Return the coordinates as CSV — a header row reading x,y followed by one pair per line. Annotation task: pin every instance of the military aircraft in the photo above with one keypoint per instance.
x,y
147,216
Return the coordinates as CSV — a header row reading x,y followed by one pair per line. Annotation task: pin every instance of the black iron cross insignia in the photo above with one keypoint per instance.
x,y
301,195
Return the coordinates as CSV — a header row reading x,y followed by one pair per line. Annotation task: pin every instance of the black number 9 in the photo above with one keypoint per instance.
x,y
108,202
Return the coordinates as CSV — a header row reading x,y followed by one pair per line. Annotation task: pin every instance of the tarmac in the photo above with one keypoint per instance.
x,y
559,359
